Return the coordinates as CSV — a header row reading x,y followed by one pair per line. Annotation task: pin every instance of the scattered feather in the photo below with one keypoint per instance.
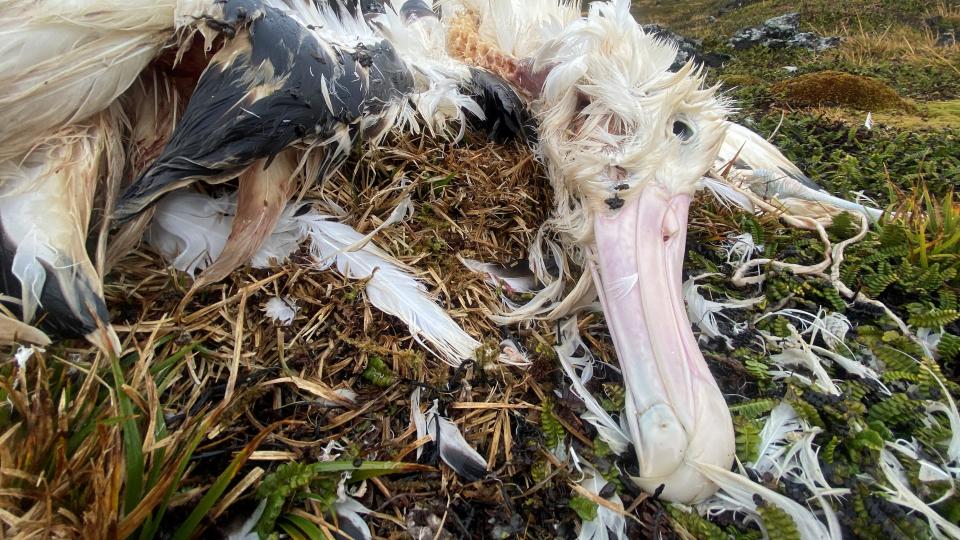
x,y
246,529
350,519
741,248
782,423
930,340
802,357
899,492
833,328
191,229
281,310
609,430
23,355
513,280
453,448
728,195
389,287
704,313
928,472
512,354
608,524
739,494
402,211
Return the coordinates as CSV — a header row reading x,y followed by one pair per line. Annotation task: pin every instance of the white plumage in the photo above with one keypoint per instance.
x,y
390,288
190,230
62,61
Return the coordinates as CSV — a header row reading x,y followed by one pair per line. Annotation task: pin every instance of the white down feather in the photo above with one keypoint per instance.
x,y
191,229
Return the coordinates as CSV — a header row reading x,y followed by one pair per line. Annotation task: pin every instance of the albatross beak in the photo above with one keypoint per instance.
x,y
674,409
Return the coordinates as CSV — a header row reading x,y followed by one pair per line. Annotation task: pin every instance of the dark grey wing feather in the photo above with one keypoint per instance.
x,y
272,85
65,318
506,113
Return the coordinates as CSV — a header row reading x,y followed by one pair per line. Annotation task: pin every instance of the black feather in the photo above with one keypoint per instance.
x,y
224,129
61,318
506,113
416,9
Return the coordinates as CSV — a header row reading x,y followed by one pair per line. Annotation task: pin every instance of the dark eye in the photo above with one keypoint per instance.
x,y
682,130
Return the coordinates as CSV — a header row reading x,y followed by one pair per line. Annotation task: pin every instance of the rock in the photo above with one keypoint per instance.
x,y
782,27
947,39
945,29
780,32
687,48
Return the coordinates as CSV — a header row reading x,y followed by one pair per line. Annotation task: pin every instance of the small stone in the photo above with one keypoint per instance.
x,y
780,32
947,39
687,48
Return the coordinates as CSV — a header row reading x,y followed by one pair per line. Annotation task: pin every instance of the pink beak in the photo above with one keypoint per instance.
x,y
674,409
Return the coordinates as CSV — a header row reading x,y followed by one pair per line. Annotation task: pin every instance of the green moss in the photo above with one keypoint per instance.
x,y
844,158
835,88
742,80
933,115
378,373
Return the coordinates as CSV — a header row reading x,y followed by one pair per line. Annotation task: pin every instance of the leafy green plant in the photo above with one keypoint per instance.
x,y
293,483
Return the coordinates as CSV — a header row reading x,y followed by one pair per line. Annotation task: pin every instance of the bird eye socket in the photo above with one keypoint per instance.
x,y
682,130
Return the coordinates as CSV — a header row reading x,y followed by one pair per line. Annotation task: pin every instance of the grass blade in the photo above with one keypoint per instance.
x,y
132,442
189,526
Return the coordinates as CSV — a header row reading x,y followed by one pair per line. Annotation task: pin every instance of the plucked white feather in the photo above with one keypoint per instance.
x,y
786,451
453,448
350,514
738,494
609,524
728,195
246,529
741,248
899,492
191,229
774,438
609,430
390,288
512,354
833,327
801,356
281,310
499,276
703,312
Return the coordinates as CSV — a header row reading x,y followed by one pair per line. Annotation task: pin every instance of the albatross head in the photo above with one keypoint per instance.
x,y
626,142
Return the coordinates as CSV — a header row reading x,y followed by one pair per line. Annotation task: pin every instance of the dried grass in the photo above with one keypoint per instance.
x,y
219,380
